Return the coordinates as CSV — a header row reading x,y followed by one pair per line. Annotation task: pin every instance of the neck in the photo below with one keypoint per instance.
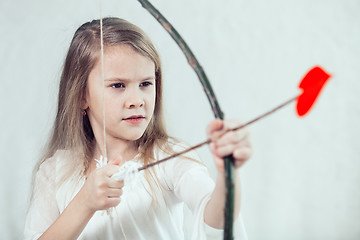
x,y
117,150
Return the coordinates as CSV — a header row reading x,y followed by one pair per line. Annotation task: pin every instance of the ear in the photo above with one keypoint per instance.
x,y
83,102
84,105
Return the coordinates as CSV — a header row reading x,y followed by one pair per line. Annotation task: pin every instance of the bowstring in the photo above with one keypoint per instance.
x,y
102,78
103,102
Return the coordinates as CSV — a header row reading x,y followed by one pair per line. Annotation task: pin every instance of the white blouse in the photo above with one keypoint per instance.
x,y
137,216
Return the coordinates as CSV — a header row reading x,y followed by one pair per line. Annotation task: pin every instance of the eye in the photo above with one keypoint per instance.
x,y
146,84
118,85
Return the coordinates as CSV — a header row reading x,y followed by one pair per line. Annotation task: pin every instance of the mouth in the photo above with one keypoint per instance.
x,y
135,119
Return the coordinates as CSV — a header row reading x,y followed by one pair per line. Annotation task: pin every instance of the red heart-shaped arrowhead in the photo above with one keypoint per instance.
x,y
312,84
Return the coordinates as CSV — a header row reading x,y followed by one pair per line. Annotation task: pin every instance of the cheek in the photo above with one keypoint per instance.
x,y
94,103
93,95
151,100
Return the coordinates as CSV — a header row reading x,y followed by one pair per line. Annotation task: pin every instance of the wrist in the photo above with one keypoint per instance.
x,y
81,199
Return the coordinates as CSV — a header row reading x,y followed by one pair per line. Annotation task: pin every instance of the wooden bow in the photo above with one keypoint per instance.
x,y
228,160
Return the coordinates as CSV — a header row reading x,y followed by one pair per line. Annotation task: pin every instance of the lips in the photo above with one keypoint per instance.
x,y
135,119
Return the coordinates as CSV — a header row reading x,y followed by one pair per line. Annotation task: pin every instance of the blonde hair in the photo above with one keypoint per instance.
x,y
71,130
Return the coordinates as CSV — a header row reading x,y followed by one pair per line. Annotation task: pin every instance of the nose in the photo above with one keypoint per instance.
x,y
134,100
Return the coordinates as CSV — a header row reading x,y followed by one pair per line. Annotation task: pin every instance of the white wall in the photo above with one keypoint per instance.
x,y
303,180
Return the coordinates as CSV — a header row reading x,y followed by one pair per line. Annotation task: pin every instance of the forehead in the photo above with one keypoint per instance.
x,y
123,61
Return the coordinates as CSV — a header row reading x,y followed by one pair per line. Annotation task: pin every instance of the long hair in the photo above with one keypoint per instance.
x,y
71,130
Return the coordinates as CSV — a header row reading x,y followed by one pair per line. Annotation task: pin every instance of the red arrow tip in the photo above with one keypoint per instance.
x,y
311,85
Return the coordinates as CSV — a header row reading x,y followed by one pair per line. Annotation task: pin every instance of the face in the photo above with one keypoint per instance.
x,y
129,94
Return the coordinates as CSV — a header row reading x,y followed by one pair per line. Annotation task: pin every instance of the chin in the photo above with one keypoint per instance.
x,y
135,137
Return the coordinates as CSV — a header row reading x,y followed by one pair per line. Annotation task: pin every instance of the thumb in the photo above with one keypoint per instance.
x,y
214,126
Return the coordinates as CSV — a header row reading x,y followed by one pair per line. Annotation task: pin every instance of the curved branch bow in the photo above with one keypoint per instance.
x,y
229,204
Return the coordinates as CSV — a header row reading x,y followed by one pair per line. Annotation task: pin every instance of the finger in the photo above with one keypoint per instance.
x,y
113,183
112,202
217,128
233,137
221,152
109,170
243,153
228,149
240,156
114,192
225,150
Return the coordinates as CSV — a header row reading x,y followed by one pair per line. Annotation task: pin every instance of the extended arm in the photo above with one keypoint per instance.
x,y
223,144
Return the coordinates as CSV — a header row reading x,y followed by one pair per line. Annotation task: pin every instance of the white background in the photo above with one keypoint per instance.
x,y
303,181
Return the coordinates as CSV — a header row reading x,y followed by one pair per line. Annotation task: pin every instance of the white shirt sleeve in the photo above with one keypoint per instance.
x,y
194,186
43,209
190,181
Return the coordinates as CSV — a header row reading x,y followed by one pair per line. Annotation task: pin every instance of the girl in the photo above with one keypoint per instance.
x,y
72,188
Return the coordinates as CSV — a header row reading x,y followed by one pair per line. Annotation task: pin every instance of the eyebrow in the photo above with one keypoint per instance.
x,y
128,80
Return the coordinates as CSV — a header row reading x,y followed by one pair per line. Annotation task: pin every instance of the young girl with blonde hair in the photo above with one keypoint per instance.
x,y
74,194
